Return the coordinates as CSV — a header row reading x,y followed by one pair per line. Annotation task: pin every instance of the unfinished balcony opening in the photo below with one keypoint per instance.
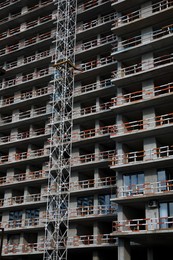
x,y
163,85
131,122
34,193
87,130
133,152
86,179
17,196
164,115
106,179
164,179
129,96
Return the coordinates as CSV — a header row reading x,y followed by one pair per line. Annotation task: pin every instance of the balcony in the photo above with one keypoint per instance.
x,y
142,158
27,60
93,110
143,95
24,115
23,177
22,224
134,44
10,139
22,200
38,39
21,29
7,2
90,4
143,70
25,96
90,159
25,78
92,88
23,156
142,17
146,225
91,241
23,249
148,188
92,211
91,184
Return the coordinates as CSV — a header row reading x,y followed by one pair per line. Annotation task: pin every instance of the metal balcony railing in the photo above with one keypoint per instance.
x,y
91,240
26,96
104,182
29,25
93,87
27,60
96,63
25,199
92,211
90,4
95,43
142,14
92,110
22,223
149,188
22,177
19,249
142,95
20,45
149,37
5,159
96,22
31,76
88,158
8,2
23,115
144,66
24,135
150,155
143,224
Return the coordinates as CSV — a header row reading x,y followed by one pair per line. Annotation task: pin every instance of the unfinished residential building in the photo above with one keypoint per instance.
x,y
86,143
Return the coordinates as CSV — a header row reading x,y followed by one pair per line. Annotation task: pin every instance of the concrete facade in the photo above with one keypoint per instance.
x,y
121,204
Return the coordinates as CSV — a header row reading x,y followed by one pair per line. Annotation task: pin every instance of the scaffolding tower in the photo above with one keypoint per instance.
x,y
59,168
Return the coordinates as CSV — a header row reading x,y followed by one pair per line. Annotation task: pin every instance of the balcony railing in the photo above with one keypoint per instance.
x,y
23,135
96,63
23,115
90,4
26,96
8,2
31,76
143,224
22,177
20,45
150,155
92,211
93,87
96,22
89,158
95,43
19,249
92,110
142,95
146,188
25,199
149,37
142,14
91,240
5,159
29,25
27,60
22,223
144,66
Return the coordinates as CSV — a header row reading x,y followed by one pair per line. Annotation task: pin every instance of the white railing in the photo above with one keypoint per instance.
x,y
96,22
143,224
90,4
92,211
144,13
91,240
164,152
145,188
144,66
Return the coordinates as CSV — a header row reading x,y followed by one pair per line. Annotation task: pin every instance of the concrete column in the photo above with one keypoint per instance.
x,y
95,255
146,9
123,249
149,118
148,89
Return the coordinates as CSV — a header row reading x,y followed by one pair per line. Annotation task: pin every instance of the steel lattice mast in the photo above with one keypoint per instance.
x,y
56,228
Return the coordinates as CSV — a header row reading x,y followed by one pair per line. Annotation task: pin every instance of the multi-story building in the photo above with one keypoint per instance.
x,y
120,188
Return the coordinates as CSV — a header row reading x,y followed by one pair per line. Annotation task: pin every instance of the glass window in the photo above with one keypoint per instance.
x,y
15,215
166,215
31,213
134,182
